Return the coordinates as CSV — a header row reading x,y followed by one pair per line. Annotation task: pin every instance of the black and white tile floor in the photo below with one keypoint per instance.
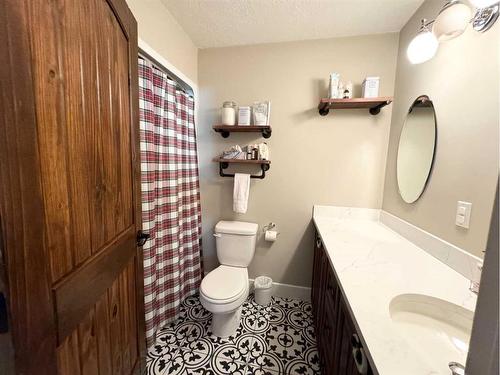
x,y
274,339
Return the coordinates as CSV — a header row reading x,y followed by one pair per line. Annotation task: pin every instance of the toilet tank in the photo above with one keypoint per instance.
x,y
235,242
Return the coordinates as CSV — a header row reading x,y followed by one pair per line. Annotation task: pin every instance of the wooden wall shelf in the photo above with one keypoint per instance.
x,y
226,130
241,161
224,164
372,104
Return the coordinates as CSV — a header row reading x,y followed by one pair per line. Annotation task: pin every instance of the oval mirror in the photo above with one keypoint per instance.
x,y
416,149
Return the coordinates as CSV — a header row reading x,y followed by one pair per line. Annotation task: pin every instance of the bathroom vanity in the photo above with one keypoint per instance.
x,y
341,351
381,304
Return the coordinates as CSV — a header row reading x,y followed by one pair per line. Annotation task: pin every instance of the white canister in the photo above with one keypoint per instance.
x,y
228,113
244,114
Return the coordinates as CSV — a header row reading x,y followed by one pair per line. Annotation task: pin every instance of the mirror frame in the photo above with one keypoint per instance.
x,y
420,101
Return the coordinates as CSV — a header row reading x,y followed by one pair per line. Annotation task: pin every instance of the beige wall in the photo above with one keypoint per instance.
x,y
338,159
463,82
159,29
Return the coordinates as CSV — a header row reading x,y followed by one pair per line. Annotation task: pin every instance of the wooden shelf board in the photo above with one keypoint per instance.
x,y
241,161
240,128
354,103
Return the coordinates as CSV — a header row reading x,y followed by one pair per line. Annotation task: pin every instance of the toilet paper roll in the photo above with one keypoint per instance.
x,y
271,235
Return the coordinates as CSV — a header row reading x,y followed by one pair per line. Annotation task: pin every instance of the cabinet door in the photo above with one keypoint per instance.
x,y
315,289
321,267
333,323
349,341
317,294
327,338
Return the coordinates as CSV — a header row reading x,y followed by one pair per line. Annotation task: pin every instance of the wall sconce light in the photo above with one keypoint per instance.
x,y
423,47
486,14
451,22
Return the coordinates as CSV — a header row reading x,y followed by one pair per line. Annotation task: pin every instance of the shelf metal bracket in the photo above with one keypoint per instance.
x,y
323,109
266,132
376,110
224,165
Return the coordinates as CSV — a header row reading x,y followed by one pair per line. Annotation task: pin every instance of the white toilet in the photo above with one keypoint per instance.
x,y
223,290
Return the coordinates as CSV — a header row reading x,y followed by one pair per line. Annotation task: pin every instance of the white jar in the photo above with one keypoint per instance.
x,y
228,113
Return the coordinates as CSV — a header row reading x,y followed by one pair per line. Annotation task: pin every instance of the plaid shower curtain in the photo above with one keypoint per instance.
x,y
171,211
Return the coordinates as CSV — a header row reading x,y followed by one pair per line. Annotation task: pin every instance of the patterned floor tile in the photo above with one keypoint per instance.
x,y
286,342
260,319
201,335
264,359
274,339
192,362
158,365
288,303
252,370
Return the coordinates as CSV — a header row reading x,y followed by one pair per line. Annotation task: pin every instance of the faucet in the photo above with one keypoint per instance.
x,y
476,277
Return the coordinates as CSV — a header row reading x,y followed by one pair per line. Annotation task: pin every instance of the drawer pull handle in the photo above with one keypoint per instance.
x,y
319,244
359,355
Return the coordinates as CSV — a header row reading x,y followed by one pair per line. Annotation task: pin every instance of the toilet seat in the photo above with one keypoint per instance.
x,y
224,285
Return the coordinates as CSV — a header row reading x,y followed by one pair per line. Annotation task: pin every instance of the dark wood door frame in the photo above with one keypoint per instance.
x,y
31,302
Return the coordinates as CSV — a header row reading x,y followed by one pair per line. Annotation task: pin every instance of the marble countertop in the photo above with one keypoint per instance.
x,y
374,264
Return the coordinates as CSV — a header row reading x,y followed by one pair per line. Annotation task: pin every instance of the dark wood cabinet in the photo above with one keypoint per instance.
x,y
338,341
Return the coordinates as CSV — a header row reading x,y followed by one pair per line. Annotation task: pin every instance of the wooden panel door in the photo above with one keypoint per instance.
x,y
70,188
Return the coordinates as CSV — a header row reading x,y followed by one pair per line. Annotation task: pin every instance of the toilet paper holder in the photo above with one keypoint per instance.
x,y
269,226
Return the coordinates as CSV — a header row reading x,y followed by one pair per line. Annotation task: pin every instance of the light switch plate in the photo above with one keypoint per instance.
x,y
462,217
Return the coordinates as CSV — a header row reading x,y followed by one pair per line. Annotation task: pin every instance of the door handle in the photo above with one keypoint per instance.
x,y
142,238
218,235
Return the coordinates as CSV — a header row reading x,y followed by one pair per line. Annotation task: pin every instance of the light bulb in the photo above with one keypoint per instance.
x,y
423,47
483,3
452,21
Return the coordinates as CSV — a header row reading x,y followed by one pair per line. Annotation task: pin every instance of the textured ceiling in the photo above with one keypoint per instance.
x,y
220,23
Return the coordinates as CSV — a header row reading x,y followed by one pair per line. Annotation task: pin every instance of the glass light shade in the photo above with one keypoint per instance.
x,y
422,48
452,21
483,3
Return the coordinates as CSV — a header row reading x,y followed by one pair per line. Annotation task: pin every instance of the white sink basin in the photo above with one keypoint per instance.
x,y
438,331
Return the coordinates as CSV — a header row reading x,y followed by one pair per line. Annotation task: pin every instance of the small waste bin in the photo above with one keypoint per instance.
x,y
263,286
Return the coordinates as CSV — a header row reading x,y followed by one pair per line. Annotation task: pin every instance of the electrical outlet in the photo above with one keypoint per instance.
x,y
462,218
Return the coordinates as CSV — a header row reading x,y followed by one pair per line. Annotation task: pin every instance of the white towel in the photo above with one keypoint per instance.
x,y
240,192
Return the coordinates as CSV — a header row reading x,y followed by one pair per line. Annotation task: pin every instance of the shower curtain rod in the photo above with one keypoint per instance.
x,y
180,83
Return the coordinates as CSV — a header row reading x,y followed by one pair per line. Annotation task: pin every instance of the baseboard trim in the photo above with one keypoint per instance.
x,y
288,291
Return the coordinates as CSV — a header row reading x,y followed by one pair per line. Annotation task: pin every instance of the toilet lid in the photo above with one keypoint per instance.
x,y
224,283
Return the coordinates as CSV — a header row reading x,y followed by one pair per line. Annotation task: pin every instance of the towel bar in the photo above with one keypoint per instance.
x,y
224,165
